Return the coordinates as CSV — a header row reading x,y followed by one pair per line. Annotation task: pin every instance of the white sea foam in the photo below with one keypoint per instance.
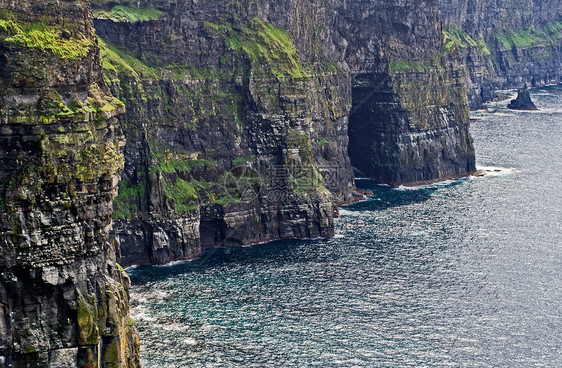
x,y
175,263
441,184
543,94
344,212
140,313
503,114
495,171
174,327
547,111
190,341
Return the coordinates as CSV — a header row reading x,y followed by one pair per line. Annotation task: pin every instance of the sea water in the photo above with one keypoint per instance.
x,y
466,273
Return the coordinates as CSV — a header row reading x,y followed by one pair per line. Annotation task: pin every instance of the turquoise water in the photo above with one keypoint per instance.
x,y
466,273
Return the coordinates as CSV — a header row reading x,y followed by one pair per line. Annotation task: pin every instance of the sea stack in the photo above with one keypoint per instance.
x,y
523,100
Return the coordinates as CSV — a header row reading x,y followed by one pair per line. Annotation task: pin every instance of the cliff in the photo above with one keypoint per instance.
x,y
63,299
233,136
506,43
410,120
238,113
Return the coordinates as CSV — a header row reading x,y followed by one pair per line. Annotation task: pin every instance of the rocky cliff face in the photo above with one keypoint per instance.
x,y
238,115
236,129
409,121
63,299
506,43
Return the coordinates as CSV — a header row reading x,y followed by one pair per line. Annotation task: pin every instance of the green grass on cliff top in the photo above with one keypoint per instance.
x,y
54,39
547,34
270,49
122,13
117,63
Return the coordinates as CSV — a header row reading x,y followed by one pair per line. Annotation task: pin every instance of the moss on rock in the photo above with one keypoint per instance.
x,y
122,13
270,49
86,315
55,39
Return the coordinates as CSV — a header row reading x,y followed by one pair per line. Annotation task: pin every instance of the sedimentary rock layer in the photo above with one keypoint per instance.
x,y
238,115
63,299
505,43
409,122
236,128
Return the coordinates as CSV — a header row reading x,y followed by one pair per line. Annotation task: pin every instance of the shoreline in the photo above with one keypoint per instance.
x,y
359,195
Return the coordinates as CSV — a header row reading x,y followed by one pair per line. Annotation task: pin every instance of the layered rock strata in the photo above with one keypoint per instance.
x,y
238,115
410,120
63,299
505,43
236,128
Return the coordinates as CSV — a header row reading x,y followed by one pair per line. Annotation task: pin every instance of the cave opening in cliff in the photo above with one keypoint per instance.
x,y
369,130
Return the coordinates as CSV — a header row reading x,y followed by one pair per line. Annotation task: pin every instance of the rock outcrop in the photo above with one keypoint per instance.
x,y
505,43
234,136
63,299
410,119
523,100
238,113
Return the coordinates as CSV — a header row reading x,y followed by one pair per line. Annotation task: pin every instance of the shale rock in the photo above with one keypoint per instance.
x,y
63,300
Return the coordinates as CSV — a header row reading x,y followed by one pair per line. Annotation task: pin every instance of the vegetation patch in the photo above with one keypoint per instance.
x,y
548,34
270,49
301,141
183,194
243,160
206,74
55,39
122,13
322,142
86,317
118,63
459,37
51,107
398,66
454,36
184,183
126,204
170,161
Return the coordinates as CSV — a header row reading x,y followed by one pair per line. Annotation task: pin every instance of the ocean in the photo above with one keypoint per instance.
x,y
465,273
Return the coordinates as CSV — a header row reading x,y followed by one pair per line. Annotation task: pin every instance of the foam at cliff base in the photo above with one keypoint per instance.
x,y
546,111
441,184
494,171
344,212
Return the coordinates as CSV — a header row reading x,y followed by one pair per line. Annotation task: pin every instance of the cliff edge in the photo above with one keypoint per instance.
x,y
245,120
63,299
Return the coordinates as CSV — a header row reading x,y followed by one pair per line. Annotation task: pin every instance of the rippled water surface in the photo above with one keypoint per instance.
x,y
463,274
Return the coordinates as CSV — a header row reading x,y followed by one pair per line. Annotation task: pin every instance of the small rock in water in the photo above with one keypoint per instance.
x,y
523,100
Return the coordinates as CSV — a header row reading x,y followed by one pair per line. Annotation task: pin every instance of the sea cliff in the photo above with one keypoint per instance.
x,y
244,120
63,299
505,44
